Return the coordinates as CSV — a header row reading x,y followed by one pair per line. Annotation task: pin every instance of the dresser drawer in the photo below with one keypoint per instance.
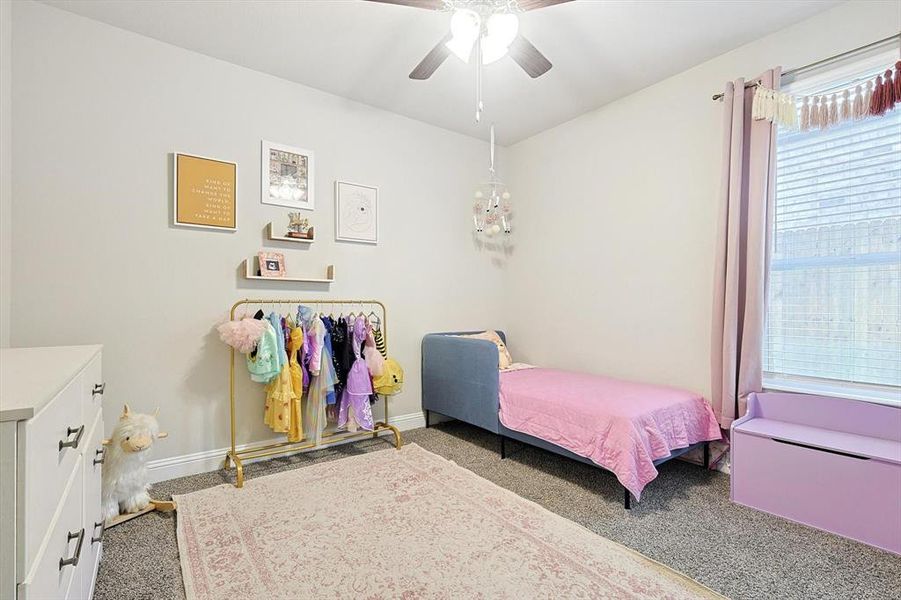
x,y
49,445
92,387
48,578
93,523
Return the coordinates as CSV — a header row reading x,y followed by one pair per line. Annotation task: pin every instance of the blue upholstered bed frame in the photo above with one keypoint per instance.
x,y
460,379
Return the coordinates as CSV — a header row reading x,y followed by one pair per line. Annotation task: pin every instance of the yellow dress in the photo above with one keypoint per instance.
x,y
281,398
295,342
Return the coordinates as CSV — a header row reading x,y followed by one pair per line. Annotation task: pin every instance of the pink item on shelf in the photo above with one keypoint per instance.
x,y
622,426
242,335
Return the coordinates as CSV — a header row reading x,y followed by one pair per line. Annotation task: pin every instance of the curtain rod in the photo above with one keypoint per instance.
x,y
825,61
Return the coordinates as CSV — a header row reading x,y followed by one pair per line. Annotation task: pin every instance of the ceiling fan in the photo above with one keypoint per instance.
x,y
491,27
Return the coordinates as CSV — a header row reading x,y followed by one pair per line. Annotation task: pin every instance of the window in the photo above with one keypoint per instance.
x,y
834,306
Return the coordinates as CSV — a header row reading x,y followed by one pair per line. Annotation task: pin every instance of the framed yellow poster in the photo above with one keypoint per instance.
x,y
204,193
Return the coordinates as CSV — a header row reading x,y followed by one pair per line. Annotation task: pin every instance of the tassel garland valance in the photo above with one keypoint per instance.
x,y
823,111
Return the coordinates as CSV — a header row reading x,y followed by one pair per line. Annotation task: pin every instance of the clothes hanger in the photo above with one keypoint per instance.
x,y
374,318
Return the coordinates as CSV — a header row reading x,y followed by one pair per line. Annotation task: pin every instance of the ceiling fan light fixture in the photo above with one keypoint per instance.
x,y
500,31
502,27
465,27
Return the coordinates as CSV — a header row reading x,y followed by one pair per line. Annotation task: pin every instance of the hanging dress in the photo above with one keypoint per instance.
x,y
355,397
331,396
280,391
295,344
323,382
375,362
342,343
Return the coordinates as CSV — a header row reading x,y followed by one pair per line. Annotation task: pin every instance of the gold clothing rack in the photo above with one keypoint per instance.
x,y
321,440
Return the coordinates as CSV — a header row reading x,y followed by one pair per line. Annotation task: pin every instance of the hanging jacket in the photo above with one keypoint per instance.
x,y
264,363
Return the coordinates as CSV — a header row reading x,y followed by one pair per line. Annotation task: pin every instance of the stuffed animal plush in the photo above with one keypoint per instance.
x,y
125,482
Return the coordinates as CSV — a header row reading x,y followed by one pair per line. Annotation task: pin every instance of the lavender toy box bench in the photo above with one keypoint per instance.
x,y
830,463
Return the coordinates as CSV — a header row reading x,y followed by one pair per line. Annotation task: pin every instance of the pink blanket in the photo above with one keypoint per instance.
x,y
620,425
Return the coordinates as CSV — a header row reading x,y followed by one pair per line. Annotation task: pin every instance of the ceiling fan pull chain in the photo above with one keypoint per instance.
x,y
491,163
479,105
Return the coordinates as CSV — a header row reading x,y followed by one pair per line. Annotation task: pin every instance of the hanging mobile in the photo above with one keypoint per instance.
x,y
492,209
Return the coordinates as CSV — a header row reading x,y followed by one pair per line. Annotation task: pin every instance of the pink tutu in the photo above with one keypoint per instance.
x,y
243,335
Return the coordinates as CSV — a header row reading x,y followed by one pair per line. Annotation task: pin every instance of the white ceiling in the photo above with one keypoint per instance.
x,y
601,50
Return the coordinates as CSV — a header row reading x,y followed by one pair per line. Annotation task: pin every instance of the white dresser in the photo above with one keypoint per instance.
x,y
51,452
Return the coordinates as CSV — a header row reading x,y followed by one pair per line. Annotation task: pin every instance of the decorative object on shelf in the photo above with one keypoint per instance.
x,y
125,481
272,234
356,213
821,111
251,268
272,264
299,227
492,209
287,176
203,192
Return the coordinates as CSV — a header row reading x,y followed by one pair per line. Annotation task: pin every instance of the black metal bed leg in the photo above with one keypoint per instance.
x,y
426,419
503,447
627,499
706,455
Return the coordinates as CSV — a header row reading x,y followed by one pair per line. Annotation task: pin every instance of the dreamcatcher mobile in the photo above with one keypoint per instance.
x,y
492,209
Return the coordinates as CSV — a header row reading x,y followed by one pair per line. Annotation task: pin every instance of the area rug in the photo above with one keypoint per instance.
x,y
399,524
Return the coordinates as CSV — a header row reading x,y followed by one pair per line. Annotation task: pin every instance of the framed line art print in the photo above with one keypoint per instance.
x,y
204,192
356,213
286,175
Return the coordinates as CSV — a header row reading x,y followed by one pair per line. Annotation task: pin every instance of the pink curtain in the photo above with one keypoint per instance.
x,y
743,250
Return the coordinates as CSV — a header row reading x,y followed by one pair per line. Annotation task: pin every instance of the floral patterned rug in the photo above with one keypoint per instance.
x,y
399,524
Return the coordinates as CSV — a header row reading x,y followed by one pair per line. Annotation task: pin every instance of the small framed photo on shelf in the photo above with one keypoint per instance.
x,y
287,176
356,213
272,264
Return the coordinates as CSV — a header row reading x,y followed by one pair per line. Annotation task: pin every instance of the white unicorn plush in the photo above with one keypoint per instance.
x,y
125,482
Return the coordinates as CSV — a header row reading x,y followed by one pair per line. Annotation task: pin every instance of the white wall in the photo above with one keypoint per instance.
x,y
5,169
98,109
616,210
616,214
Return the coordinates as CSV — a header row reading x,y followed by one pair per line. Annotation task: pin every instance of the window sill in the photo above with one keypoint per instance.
x,y
889,396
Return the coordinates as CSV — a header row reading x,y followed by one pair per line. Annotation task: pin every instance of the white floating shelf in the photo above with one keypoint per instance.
x,y
285,238
251,267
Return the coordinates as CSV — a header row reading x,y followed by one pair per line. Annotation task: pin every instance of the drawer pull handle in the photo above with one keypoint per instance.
x,y
98,456
73,560
99,538
99,388
79,431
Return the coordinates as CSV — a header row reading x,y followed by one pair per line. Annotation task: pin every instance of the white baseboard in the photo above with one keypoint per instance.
x,y
212,460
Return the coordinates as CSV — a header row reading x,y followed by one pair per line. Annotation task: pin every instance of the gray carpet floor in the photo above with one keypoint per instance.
x,y
685,520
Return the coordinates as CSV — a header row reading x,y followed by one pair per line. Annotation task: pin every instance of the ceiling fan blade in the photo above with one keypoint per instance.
x,y
426,4
432,60
529,58
525,5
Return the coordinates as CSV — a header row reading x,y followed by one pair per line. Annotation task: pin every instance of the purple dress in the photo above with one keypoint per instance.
x,y
358,386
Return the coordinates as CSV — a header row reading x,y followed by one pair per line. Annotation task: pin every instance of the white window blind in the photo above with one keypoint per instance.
x,y
834,306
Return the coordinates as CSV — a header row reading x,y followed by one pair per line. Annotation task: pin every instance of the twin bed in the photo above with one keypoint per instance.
x,y
624,427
